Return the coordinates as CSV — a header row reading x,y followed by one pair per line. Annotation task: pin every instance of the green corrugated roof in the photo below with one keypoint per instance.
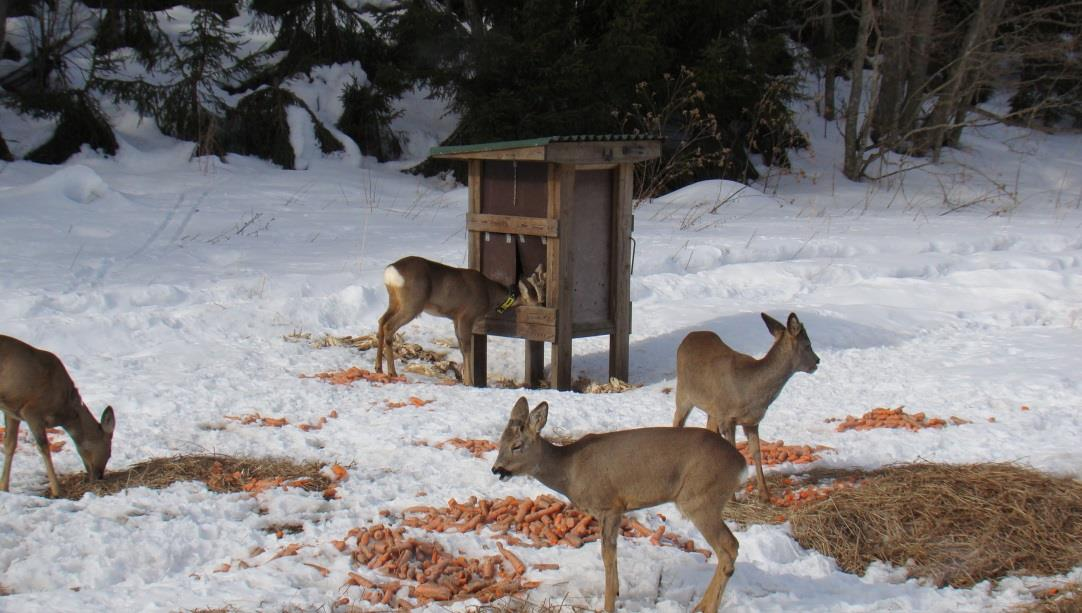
x,y
537,142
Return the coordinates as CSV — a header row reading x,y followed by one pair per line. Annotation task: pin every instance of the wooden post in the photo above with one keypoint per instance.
x,y
620,307
478,366
560,268
535,363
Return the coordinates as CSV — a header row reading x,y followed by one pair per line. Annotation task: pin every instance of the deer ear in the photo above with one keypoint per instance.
x,y
773,325
538,417
521,410
108,420
794,325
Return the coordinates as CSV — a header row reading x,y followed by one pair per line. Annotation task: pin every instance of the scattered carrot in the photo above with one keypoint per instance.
x,y
340,473
351,374
418,402
324,571
288,550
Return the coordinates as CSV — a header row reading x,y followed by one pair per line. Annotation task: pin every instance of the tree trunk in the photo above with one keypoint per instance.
x,y
830,68
853,167
963,77
895,35
916,81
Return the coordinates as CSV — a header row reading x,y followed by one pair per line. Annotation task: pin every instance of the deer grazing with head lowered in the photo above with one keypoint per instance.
x,y
416,285
608,474
736,389
35,388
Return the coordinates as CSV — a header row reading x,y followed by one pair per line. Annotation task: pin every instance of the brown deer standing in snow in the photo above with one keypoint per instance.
x,y
736,389
608,474
35,388
463,295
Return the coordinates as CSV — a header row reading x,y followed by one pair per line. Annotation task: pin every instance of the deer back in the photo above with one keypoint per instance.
x,y
644,467
34,385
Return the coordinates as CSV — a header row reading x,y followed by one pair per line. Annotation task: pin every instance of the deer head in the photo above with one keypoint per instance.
x,y
96,448
520,452
531,290
796,342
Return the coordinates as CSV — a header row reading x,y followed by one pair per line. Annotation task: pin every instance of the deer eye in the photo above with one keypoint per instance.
x,y
517,447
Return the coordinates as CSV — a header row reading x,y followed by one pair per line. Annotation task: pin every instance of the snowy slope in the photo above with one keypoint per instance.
x,y
167,285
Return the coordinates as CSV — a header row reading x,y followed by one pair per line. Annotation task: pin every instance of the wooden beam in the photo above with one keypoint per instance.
x,y
512,224
535,363
620,307
534,154
479,364
515,329
473,241
602,152
561,194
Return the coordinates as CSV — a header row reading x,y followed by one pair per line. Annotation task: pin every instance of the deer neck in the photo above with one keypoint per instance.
x,y
552,466
771,374
498,295
81,425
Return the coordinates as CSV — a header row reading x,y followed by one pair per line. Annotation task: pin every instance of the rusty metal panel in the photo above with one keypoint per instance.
x,y
591,240
514,188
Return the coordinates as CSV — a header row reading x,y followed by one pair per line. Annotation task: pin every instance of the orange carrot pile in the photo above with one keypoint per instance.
x,y
351,374
795,494
220,480
543,522
476,446
429,571
777,452
895,418
54,446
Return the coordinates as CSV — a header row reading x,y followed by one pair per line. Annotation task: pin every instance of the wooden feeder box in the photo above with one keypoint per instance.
x,y
563,202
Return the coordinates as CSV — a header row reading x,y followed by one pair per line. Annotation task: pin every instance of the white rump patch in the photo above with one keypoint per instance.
x,y
393,278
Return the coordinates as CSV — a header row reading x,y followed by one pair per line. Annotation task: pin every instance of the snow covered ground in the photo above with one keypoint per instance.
x,y
167,286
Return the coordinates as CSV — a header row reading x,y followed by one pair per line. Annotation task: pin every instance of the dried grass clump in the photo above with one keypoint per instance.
x,y
1063,599
221,473
418,360
955,525
584,385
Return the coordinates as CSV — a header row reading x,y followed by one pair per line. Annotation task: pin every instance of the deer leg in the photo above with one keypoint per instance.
x,y
610,529
707,518
712,424
381,336
41,439
752,432
11,439
390,327
464,333
683,408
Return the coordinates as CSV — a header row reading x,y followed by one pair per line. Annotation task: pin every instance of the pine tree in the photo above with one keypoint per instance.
x,y
187,94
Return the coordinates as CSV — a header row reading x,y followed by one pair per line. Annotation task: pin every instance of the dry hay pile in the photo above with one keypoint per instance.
x,y
418,360
955,525
223,474
1066,598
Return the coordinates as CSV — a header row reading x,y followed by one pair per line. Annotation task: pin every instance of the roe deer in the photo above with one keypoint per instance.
x,y
734,388
35,388
608,474
462,295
